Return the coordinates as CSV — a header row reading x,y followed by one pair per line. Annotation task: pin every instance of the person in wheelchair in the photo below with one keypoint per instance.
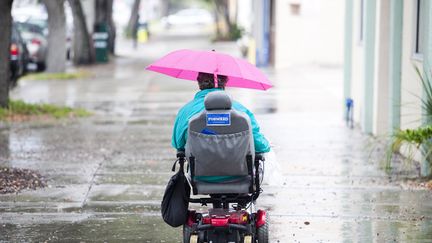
x,y
222,143
206,86
196,106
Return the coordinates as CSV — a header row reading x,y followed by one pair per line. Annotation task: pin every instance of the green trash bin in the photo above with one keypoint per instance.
x,y
100,39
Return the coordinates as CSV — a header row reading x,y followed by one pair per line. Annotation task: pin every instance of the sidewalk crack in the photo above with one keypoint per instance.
x,y
84,202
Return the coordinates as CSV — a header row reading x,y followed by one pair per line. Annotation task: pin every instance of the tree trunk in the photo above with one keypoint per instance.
x,y
217,18
56,53
5,38
222,15
82,43
165,8
133,19
104,9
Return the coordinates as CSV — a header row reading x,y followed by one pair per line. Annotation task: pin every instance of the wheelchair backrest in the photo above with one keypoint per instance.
x,y
219,138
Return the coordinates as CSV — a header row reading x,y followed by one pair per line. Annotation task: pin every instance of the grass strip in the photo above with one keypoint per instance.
x,y
20,108
56,76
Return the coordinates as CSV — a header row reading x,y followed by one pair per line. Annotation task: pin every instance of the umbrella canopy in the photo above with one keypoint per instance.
x,y
186,64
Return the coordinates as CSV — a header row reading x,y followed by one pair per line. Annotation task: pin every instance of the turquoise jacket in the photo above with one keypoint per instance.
x,y
197,105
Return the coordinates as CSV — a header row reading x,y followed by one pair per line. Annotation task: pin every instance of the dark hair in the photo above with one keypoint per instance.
x,y
206,81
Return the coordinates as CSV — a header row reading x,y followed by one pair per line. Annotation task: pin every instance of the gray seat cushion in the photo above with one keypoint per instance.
x,y
240,185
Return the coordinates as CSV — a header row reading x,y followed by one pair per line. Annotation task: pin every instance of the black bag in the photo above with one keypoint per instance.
x,y
175,201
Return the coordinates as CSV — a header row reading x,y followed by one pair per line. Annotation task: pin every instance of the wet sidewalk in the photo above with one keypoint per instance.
x,y
107,173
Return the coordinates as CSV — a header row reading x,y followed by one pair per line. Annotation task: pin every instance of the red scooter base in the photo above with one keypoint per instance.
x,y
226,226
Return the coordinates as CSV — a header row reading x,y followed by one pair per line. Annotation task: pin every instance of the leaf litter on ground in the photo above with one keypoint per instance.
x,y
14,180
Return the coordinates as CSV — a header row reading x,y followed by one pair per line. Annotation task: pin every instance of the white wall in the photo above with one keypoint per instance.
x,y
410,84
244,14
381,77
315,36
357,75
410,104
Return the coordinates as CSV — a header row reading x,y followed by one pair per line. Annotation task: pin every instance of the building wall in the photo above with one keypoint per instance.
x,y
411,88
410,83
357,75
245,15
381,76
394,76
314,35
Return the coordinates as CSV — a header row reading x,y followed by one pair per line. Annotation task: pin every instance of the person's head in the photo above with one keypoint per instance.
x,y
206,81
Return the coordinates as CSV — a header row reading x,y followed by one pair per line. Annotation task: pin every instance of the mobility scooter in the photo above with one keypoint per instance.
x,y
222,164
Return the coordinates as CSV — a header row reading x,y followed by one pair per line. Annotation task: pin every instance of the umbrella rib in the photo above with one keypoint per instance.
x,y
178,60
217,63
241,73
180,70
238,66
262,85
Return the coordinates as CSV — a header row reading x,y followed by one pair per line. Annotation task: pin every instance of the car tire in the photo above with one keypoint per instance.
x,y
40,66
68,54
13,81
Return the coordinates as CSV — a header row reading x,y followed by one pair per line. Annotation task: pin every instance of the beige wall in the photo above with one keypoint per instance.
x,y
381,76
314,36
410,104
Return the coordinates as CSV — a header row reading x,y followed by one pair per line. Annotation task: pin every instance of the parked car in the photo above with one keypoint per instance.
x,y
37,17
19,56
36,41
188,17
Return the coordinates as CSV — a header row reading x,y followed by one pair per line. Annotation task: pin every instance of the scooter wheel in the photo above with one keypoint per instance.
x,y
187,232
263,233
247,239
193,239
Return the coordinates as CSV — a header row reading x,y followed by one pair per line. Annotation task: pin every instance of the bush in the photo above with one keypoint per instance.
x,y
419,139
236,32
414,140
426,99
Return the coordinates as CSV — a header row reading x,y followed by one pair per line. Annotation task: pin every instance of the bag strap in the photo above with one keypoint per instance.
x,y
180,162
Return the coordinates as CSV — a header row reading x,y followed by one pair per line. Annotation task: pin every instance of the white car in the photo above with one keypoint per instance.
x,y
188,17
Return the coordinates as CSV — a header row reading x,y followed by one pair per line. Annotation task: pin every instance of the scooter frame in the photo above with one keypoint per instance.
x,y
219,224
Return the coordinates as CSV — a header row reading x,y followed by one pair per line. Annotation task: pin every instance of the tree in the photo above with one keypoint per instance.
x,y
134,18
165,7
222,10
82,43
56,53
5,38
224,27
103,19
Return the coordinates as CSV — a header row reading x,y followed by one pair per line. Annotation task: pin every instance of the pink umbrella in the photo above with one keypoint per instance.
x,y
186,64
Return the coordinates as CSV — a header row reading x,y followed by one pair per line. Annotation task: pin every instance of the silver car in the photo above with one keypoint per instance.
x,y
36,41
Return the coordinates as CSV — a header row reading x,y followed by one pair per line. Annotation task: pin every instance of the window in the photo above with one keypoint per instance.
x,y
419,27
295,9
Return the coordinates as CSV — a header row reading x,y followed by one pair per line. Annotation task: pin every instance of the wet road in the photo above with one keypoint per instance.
x,y
107,173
